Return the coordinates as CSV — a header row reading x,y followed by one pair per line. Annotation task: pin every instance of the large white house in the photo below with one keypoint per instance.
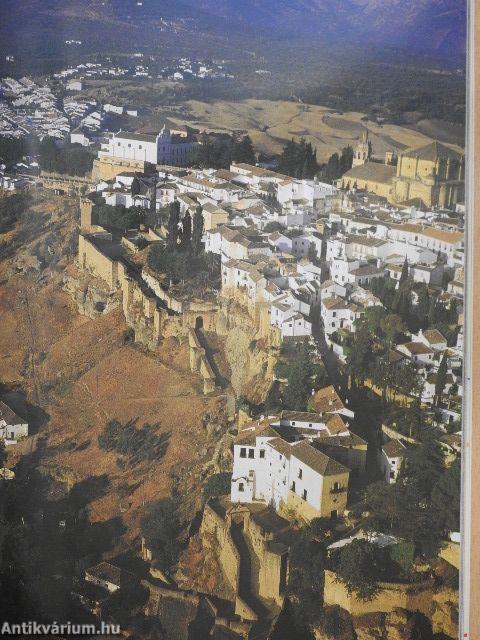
x,y
164,148
292,475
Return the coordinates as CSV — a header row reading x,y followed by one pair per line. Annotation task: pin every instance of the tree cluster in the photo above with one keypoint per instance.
x,y
221,154
369,356
136,443
302,375
12,208
423,506
118,217
337,165
183,257
70,159
299,160
427,313
161,527
216,485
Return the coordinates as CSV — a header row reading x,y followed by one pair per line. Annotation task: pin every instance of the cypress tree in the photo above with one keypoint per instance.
x,y
172,225
441,380
186,237
404,275
198,225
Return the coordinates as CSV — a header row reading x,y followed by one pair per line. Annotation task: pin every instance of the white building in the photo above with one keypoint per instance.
x,y
12,427
165,148
294,475
390,459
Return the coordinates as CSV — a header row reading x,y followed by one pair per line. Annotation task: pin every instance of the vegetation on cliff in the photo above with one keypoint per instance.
x,y
183,259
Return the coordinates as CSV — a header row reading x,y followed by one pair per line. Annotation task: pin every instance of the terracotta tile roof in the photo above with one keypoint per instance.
x,y
434,336
327,400
393,449
316,459
105,571
432,151
9,415
304,416
372,172
336,424
416,348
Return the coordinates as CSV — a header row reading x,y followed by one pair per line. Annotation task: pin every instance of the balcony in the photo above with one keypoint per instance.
x,y
338,490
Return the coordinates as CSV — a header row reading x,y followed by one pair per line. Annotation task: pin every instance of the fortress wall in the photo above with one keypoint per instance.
x,y
392,596
94,260
106,168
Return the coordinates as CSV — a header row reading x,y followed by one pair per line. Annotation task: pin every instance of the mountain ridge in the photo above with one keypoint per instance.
x,y
434,26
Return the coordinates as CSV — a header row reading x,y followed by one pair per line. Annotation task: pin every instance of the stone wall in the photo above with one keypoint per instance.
x,y
422,597
90,258
269,560
106,168
62,182
199,362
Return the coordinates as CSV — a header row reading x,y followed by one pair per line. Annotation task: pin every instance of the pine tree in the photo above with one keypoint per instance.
x,y
198,225
243,151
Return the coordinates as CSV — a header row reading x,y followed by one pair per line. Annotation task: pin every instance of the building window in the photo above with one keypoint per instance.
x,y
293,486
241,487
304,494
243,453
251,453
300,474
336,486
262,453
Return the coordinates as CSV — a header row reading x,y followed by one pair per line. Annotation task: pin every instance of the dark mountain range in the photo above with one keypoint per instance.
x,y
433,26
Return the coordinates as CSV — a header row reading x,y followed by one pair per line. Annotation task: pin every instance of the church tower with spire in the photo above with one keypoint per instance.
x,y
363,150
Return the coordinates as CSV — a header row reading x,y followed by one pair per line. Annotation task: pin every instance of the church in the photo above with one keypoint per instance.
x,y
432,174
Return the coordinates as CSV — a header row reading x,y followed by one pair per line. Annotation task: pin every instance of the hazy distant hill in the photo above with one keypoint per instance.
x,y
425,24
436,26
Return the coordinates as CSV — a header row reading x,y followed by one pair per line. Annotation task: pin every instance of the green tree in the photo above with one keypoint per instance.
x,y
243,151
299,386
197,233
3,454
424,465
414,419
441,380
160,527
404,274
360,565
186,234
392,327
359,358
346,160
446,498
217,485
306,576
172,225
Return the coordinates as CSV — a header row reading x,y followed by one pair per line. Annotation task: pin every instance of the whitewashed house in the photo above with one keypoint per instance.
x,y
292,475
390,460
12,427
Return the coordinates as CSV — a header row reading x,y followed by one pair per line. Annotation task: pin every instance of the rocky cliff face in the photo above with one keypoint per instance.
x,y
91,295
250,356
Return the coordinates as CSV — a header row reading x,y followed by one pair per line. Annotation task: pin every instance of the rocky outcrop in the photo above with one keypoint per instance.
x,y
251,353
91,295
